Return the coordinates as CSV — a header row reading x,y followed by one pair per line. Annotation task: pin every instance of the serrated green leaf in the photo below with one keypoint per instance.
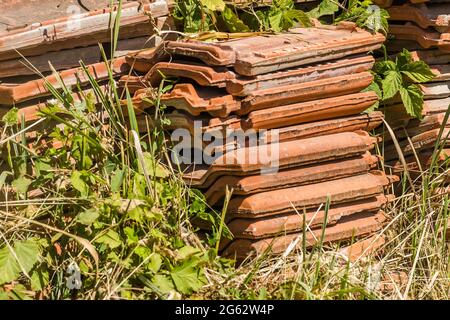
x,y
26,254
163,283
325,8
418,71
412,98
39,280
111,239
299,16
373,21
131,235
186,252
88,217
232,21
391,84
9,267
275,21
187,276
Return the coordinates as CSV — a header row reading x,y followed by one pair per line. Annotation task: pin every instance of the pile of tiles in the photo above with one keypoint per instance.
x,y
27,47
423,29
309,85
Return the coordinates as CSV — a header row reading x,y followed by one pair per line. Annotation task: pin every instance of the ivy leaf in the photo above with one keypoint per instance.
x,y
187,276
418,71
325,8
232,21
412,98
391,84
213,5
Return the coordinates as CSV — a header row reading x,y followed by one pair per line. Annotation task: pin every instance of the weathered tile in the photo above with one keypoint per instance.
x,y
290,177
290,154
349,227
88,29
263,54
11,93
309,196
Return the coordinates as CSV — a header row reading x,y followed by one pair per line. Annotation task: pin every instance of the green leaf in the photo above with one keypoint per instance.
x,y
21,184
10,270
213,5
186,252
275,21
39,280
187,276
88,217
325,8
412,98
163,283
26,255
391,84
28,252
111,239
155,262
78,182
116,180
299,16
418,71
375,88
382,67
403,58
131,235
232,21
11,117
374,19
152,166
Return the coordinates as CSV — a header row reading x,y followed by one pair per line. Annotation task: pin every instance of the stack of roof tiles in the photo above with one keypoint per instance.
x,y
310,85
27,47
422,28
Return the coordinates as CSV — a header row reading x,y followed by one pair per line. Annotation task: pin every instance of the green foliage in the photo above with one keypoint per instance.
x,y
366,15
106,192
214,15
18,258
281,15
400,77
325,8
11,117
